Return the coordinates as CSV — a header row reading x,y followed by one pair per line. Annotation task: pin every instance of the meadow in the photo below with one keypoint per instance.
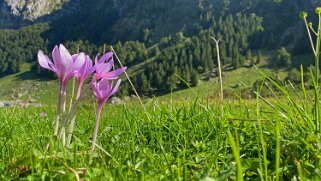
x,y
178,136
170,140
186,135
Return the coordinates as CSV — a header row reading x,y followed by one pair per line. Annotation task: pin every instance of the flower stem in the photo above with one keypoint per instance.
x,y
63,134
316,89
72,122
310,37
72,93
100,106
58,111
73,110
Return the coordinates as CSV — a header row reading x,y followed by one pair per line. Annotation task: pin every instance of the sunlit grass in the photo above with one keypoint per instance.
x,y
182,140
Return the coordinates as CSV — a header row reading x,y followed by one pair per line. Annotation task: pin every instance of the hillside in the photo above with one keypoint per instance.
x,y
158,39
238,83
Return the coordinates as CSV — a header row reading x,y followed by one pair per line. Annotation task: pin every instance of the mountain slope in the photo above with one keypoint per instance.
x,y
18,13
174,34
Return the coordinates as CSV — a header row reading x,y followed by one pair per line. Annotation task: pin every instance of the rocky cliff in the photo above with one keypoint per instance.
x,y
16,13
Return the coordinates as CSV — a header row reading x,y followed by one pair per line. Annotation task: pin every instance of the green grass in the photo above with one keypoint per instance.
x,y
185,140
180,136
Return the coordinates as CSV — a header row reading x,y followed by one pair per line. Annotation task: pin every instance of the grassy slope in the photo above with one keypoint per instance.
x,y
45,91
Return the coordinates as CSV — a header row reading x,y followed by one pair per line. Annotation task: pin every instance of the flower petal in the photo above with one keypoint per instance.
x,y
66,60
88,66
104,86
115,88
96,59
96,90
106,57
79,61
56,60
114,74
108,67
44,61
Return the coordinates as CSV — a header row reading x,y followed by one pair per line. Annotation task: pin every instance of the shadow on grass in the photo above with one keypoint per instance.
x,y
32,75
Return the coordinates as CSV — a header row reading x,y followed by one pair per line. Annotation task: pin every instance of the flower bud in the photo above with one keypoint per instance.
x,y
318,10
303,14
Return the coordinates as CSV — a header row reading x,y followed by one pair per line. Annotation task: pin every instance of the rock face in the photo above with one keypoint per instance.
x,y
16,13
33,9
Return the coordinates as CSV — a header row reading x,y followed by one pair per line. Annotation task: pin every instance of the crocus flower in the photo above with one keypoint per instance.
x,y
62,65
83,67
103,73
104,66
102,90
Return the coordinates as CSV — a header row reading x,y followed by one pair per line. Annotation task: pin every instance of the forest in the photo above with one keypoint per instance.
x,y
184,49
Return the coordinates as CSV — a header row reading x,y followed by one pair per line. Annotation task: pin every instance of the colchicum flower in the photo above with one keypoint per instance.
x,y
104,66
80,65
102,72
62,65
83,68
102,90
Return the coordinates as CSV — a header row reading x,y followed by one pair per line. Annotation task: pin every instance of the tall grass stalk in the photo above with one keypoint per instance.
x,y
220,74
236,154
130,82
261,135
277,149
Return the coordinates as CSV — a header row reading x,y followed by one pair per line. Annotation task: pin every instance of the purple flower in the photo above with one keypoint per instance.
x,y
63,66
102,90
43,114
104,66
62,63
83,66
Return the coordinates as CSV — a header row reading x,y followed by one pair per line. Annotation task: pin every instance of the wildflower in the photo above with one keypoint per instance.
x,y
62,65
103,73
83,67
43,114
104,66
102,90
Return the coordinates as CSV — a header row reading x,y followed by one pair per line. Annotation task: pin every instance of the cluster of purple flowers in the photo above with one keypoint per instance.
x,y
81,67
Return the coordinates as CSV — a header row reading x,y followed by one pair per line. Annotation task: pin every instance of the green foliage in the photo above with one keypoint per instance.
x,y
283,58
20,46
259,58
294,75
194,79
180,141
